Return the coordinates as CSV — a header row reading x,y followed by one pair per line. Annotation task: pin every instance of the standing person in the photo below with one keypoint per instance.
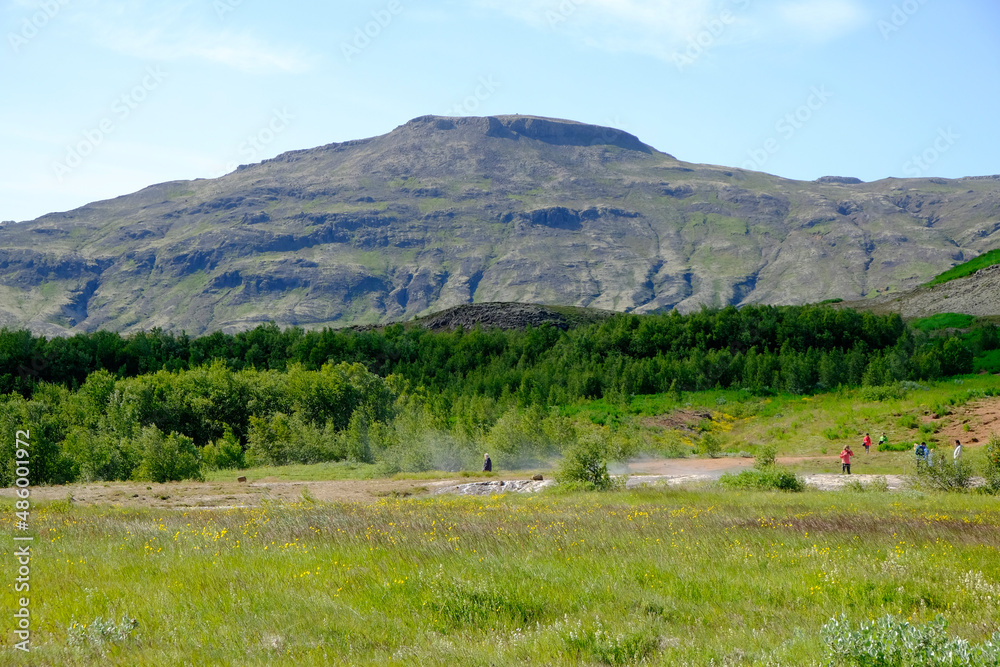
x,y
883,440
867,442
930,455
845,459
957,454
487,464
921,452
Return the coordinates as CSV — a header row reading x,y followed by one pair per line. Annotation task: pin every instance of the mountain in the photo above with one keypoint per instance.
x,y
447,211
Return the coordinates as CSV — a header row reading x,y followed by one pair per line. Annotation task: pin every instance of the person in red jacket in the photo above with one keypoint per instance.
x,y
867,442
845,459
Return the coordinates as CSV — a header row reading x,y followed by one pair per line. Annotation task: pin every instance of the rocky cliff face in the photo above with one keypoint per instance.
x,y
446,211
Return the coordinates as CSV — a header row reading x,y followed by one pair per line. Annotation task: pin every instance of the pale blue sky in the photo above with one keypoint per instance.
x,y
102,98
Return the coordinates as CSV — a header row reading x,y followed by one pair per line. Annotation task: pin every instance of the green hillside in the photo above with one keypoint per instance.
x,y
968,268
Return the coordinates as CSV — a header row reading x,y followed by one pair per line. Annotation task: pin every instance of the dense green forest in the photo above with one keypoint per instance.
x,y
160,406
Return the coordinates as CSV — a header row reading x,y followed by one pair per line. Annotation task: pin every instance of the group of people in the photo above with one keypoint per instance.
x,y
926,455
923,452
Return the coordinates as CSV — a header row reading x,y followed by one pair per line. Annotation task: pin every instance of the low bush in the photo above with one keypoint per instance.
x,y
883,393
587,462
710,445
611,649
766,456
771,478
890,642
224,453
894,447
166,458
878,484
945,475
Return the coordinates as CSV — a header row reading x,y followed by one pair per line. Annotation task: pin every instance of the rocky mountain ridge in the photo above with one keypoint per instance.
x,y
448,211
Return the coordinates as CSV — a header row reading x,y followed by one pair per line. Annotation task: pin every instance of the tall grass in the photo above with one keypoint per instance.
x,y
671,577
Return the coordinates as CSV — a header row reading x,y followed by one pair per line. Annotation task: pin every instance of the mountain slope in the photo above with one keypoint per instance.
x,y
977,294
446,211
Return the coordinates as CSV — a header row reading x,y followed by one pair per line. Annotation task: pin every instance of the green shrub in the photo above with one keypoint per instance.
x,y
991,468
710,445
101,632
945,475
671,446
765,458
909,421
894,447
285,439
892,642
877,484
166,458
101,456
224,454
603,647
586,461
883,393
771,478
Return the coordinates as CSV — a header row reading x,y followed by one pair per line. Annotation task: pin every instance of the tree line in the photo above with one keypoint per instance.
x,y
155,405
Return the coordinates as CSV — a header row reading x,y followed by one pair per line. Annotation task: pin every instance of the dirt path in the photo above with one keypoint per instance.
x,y
229,495
713,468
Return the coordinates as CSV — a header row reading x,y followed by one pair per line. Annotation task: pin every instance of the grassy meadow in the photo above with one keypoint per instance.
x,y
691,576
657,576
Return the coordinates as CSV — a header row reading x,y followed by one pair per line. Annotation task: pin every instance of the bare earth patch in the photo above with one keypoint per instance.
x,y
982,418
685,421
183,495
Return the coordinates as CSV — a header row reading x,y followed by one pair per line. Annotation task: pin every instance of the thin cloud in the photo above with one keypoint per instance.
x,y
242,52
823,19
177,31
666,28
671,19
